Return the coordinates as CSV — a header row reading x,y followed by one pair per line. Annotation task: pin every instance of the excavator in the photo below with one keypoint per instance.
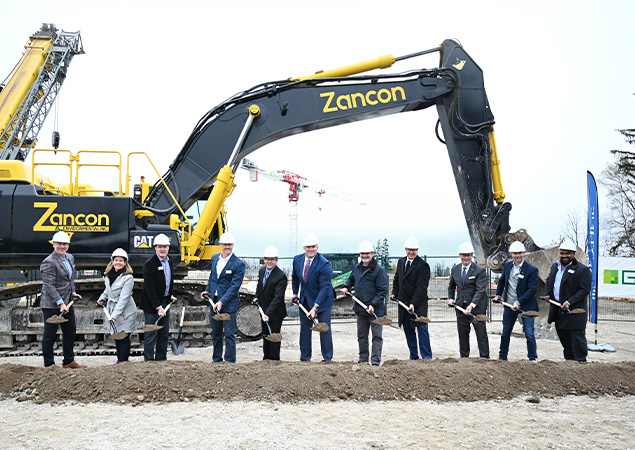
x,y
203,173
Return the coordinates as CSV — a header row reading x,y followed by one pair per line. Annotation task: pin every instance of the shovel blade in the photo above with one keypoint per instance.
x,y
56,319
274,337
321,327
530,314
177,347
119,336
152,327
384,320
481,318
422,319
221,316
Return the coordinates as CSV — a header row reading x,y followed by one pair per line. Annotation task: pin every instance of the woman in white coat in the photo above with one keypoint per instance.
x,y
121,306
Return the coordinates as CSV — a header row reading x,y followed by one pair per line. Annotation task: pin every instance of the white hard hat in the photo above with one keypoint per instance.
x,y
411,242
310,239
61,237
227,238
516,247
161,239
366,247
466,248
568,245
271,252
119,252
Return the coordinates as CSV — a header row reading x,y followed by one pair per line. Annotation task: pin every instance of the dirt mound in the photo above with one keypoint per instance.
x,y
290,382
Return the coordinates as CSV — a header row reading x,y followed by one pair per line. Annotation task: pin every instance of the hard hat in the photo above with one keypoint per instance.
x,y
568,245
516,247
271,252
161,239
310,239
227,238
119,252
61,237
366,247
466,248
411,242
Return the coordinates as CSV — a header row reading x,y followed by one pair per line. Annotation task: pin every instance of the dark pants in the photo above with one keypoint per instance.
x,y
226,328
155,343
123,348
574,345
69,330
463,327
364,325
326,337
271,350
509,319
411,339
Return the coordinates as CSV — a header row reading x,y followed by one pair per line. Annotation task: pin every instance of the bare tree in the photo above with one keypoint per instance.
x,y
574,227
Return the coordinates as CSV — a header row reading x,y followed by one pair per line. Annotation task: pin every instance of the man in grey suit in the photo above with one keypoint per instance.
x,y
58,288
469,281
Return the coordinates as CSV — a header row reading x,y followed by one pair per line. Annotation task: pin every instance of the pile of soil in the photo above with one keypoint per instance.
x,y
443,380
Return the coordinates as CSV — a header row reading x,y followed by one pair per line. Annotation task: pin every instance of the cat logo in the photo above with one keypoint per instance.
x,y
459,64
143,241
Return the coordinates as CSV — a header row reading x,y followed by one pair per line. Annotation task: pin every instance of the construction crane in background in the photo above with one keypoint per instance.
x,y
296,184
32,87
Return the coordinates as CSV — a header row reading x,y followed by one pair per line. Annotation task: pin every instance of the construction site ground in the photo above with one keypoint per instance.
x,y
446,402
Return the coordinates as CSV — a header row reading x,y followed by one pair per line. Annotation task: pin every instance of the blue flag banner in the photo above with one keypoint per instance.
x,y
593,242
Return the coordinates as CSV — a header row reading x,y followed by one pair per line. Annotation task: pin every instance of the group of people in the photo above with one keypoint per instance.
x,y
568,286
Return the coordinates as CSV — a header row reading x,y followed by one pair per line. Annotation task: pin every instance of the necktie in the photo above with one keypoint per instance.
x,y
408,265
463,274
266,276
307,264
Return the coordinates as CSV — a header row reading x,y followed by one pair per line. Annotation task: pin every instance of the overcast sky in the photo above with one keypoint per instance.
x,y
558,74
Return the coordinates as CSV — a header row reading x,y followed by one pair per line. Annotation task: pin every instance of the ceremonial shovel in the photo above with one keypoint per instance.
x,y
384,320
178,347
477,318
115,335
217,316
570,311
417,318
273,337
316,325
59,318
510,306
156,325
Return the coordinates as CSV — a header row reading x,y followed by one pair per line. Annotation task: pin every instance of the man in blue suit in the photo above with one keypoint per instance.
x,y
225,280
519,283
311,276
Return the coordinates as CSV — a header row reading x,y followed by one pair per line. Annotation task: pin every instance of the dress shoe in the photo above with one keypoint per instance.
x,y
73,365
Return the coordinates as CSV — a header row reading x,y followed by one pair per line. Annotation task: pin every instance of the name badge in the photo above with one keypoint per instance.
x,y
472,277
228,272
571,271
161,268
520,275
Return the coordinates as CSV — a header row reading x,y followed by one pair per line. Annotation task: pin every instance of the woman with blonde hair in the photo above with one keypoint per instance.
x,y
121,305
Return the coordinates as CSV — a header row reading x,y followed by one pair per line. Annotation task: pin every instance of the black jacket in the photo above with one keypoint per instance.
x,y
153,294
411,287
574,288
271,296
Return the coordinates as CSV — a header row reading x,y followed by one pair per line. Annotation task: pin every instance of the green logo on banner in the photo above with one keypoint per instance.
x,y
611,277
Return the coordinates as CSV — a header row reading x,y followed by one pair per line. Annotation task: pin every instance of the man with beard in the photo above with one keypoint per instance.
x,y
569,283
370,281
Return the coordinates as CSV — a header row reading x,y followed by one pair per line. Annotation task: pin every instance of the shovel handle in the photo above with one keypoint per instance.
x,y
182,315
307,313
403,305
362,304
69,307
555,303
464,311
508,305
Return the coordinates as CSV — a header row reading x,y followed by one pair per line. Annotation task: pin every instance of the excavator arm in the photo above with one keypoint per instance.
x,y
274,110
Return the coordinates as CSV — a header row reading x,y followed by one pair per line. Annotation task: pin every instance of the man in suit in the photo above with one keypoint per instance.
x,y
58,288
311,277
272,284
468,281
158,283
410,285
569,283
370,281
223,286
518,286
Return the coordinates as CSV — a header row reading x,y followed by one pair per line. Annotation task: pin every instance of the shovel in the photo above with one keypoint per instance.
x,y
156,325
116,336
510,306
384,320
417,318
477,318
316,325
273,337
59,318
217,316
178,347
564,308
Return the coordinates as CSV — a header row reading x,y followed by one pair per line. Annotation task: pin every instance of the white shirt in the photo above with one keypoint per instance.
x,y
220,265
